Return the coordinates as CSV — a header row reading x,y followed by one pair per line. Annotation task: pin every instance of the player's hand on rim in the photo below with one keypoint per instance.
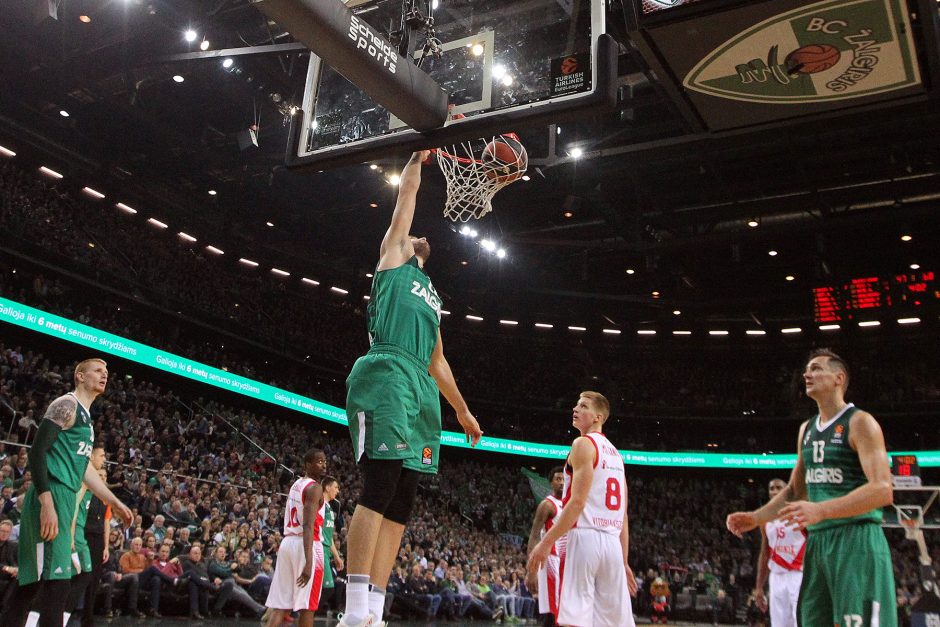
x,y
740,523
470,427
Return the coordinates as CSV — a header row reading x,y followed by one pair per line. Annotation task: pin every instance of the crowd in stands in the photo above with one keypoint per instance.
x,y
316,336
208,506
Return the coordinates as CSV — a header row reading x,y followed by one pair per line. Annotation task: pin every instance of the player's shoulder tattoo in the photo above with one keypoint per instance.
x,y
61,411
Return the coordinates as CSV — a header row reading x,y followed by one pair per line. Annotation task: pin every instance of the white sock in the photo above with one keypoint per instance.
x,y
32,620
357,599
377,602
65,618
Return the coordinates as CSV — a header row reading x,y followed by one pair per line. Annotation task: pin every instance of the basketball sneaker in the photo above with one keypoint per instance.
x,y
368,621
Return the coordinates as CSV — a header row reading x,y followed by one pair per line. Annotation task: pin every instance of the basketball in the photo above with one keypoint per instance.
x,y
505,159
812,59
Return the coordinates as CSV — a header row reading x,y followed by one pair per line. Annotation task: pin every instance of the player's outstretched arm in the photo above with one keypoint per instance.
x,y
100,489
866,438
396,246
740,523
440,370
313,497
581,459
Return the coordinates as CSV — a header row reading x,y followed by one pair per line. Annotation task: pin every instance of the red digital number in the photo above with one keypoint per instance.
x,y
614,497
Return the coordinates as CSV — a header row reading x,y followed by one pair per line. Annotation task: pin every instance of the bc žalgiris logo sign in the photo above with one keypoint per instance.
x,y
832,50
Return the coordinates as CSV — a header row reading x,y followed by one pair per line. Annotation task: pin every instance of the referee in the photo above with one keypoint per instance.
x,y
96,534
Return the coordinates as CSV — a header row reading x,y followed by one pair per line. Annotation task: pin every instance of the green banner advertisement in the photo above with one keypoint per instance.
x,y
56,326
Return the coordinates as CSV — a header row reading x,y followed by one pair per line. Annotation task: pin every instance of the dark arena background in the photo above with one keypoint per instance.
x,y
684,236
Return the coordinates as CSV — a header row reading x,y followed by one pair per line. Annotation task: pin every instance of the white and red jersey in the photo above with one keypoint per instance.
x,y
550,522
606,500
786,546
294,512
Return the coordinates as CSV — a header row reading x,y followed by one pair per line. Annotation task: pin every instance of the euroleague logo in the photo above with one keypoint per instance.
x,y
427,456
372,43
569,65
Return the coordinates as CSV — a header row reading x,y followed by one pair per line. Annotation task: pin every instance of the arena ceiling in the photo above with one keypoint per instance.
x,y
832,196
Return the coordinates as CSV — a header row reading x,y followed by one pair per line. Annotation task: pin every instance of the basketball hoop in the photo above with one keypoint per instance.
x,y
475,170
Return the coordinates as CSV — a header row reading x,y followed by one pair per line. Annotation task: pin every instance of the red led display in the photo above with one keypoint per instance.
x,y
835,303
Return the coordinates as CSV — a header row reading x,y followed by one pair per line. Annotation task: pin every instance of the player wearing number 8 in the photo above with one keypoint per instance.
x,y
595,579
838,486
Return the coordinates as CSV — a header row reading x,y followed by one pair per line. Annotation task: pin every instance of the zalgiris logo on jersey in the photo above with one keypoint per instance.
x,y
827,51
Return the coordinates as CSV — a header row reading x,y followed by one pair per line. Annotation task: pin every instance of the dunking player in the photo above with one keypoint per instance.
x,y
298,573
545,583
393,405
781,557
837,489
59,464
596,581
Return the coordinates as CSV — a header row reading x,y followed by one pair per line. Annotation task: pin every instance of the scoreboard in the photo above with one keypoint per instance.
x,y
846,301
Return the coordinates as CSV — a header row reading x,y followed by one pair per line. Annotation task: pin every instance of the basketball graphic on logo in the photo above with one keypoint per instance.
x,y
812,59
427,456
569,65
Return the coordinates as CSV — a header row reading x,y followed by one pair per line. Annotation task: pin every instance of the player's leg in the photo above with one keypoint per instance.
x,y
576,599
814,607
612,607
57,565
779,600
281,593
20,601
863,578
310,594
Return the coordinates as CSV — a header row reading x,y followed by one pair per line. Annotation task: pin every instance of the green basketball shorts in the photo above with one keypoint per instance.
x,y
46,560
394,410
327,567
848,579
82,550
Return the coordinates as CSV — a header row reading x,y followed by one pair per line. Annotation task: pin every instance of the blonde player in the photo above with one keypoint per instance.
x,y
298,573
781,556
595,577
545,584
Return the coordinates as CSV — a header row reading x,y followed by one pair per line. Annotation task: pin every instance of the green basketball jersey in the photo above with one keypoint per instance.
x,y
69,454
329,523
81,514
832,466
405,310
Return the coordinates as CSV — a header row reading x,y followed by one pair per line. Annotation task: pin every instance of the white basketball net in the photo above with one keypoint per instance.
x,y
471,184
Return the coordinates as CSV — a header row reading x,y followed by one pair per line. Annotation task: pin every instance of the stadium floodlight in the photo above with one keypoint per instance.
x,y
126,208
279,272
157,223
93,193
339,290
309,281
215,251
248,262
869,323
791,330
50,172
190,35
612,331
186,236
908,320
829,327
474,318
543,325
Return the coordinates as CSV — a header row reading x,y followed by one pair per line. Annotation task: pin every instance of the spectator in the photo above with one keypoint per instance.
x,y
8,562
163,571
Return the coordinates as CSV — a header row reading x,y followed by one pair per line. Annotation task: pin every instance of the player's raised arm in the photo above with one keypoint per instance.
x,y
740,523
444,377
869,442
396,246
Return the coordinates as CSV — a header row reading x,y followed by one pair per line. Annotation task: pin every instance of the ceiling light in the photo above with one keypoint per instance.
x,y
631,271
790,330
507,80
310,281
772,253
178,78
655,294
676,312
488,245
509,323
477,49
50,172
572,328
444,312
212,192
227,63
499,71
435,4
204,45
368,275
612,331
906,238
646,332
576,152
526,177
790,277
718,332
501,253
373,167
542,325
908,320
463,263
339,290
915,266
568,214
869,323
280,272
186,236
753,223
473,233
682,333
84,19
269,223
93,193
124,207
374,205
366,297
6,152
63,113
756,332
190,35
829,327
394,179
474,318
215,251
156,222
465,230
248,262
